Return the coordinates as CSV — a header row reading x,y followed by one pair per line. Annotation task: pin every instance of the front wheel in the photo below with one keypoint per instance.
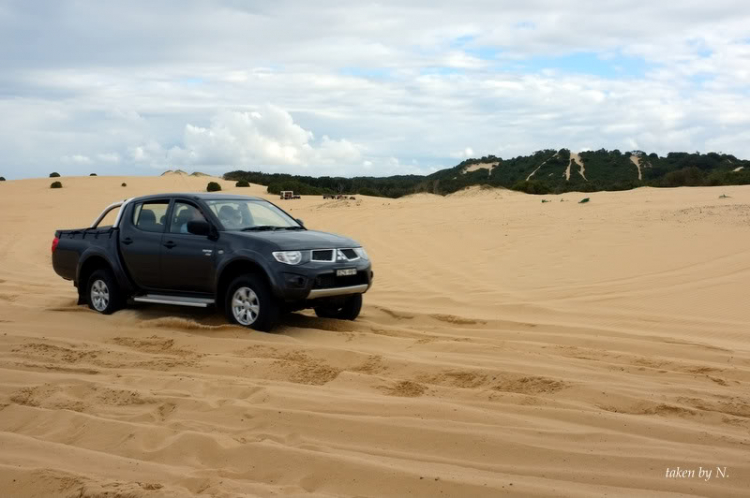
x,y
104,294
349,310
249,303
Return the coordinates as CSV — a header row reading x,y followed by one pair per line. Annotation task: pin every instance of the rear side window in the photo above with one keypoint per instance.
x,y
151,216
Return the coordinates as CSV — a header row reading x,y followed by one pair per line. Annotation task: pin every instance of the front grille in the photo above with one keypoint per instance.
x,y
322,255
332,255
330,280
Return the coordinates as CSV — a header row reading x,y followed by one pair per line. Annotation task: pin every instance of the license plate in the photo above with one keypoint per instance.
x,y
346,272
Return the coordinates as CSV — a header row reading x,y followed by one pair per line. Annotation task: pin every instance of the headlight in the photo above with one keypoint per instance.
x,y
361,252
288,257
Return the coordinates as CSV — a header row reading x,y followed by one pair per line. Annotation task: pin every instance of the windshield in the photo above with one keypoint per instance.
x,y
240,214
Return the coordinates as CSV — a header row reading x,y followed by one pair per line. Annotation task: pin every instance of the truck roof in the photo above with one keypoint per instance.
x,y
204,196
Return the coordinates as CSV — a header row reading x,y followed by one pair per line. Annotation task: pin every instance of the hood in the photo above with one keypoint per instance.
x,y
297,240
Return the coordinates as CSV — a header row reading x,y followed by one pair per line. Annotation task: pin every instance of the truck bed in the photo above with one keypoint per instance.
x,y
73,243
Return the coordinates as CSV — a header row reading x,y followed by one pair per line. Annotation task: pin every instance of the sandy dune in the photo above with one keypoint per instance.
x,y
508,347
478,166
575,158
637,161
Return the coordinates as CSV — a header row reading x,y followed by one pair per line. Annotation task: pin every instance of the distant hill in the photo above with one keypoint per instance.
x,y
544,172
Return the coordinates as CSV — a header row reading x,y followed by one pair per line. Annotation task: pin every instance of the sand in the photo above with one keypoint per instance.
x,y
508,347
637,161
575,157
478,166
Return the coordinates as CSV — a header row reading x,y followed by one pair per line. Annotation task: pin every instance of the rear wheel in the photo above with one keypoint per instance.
x,y
249,303
103,293
349,310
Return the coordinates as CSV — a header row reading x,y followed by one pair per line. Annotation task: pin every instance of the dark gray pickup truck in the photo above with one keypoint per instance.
x,y
244,254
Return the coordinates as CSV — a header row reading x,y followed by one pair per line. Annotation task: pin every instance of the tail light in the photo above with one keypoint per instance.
x,y
55,241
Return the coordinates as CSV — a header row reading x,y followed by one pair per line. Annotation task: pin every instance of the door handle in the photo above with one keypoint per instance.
x,y
127,241
169,244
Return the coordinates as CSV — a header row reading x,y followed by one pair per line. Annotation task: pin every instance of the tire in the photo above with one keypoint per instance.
x,y
348,311
255,308
102,292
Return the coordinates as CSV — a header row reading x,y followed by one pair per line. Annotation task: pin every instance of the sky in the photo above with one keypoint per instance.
x,y
365,88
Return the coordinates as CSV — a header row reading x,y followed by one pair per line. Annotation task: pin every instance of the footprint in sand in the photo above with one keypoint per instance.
x,y
405,389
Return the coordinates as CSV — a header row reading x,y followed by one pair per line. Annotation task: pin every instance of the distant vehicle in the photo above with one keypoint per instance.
x,y
288,194
243,254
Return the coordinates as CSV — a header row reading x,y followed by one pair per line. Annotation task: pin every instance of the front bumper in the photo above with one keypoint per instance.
x,y
315,280
338,291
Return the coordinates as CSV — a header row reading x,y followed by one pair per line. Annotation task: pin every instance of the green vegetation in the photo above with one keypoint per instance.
x,y
93,174
242,183
603,170
584,200
124,184
213,187
54,175
56,185
2,178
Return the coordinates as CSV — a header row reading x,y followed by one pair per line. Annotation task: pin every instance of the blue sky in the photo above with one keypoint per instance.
x,y
362,88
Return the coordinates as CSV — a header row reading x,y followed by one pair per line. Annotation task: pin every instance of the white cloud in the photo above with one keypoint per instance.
x,y
266,137
109,157
358,84
463,154
77,159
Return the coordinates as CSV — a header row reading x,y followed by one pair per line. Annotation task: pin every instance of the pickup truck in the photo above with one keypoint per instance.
x,y
244,255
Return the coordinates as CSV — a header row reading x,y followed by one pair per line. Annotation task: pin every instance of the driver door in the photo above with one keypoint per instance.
x,y
187,260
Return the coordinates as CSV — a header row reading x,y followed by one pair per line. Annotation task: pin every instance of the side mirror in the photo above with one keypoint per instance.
x,y
299,221
199,227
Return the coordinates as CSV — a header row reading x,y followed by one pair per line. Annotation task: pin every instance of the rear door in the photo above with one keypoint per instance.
x,y
187,261
141,242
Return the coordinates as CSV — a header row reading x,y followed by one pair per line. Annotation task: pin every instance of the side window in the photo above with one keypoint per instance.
x,y
151,216
181,215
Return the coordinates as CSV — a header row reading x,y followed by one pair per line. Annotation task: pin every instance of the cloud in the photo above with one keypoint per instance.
x,y
463,154
187,83
266,137
110,157
77,159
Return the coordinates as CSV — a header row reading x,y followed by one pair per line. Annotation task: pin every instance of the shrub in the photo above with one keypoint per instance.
x,y
54,175
531,187
685,177
92,174
242,183
2,178
56,185
124,184
213,187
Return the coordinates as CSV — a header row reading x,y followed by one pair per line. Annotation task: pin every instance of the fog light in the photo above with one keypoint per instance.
x,y
295,281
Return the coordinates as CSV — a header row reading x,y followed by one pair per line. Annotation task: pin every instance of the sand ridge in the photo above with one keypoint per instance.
x,y
575,158
637,161
481,364
478,166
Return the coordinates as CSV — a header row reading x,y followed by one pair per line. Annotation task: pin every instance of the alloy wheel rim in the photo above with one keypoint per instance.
x,y
245,306
100,295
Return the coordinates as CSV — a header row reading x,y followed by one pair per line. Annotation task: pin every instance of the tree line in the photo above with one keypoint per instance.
x,y
603,170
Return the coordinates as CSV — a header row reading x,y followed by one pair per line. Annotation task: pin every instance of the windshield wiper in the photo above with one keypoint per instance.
x,y
259,228
292,228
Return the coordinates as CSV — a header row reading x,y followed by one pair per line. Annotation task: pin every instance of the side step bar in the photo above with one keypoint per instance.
x,y
196,302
